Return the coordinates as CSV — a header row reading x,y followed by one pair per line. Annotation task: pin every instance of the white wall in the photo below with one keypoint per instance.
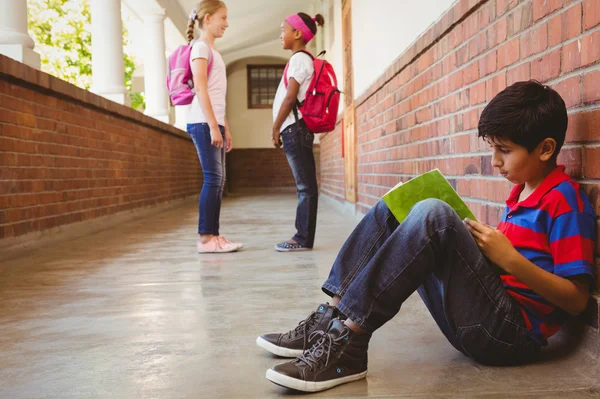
x,y
250,128
381,31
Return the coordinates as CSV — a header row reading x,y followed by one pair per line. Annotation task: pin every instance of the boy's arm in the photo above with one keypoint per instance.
x,y
571,295
286,107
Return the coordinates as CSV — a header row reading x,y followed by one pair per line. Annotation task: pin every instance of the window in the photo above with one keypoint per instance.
x,y
263,81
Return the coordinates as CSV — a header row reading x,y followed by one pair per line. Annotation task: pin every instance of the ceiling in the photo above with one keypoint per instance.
x,y
252,22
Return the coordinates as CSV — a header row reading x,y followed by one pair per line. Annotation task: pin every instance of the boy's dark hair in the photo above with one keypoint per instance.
x,y
310,23
526,113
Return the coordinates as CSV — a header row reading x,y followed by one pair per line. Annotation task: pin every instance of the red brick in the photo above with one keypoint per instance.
x,y
520,19
487,15
590,49
565,26
591,87
503,6
518,74
477,94
570,91
534,41
572,159
571,59
471,73
591,13
591,165
509,53
495,85
541,8
488,64
584,126
471,26
501,30
547,67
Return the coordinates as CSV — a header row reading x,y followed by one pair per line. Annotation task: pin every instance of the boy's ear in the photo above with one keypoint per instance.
x,y
547,149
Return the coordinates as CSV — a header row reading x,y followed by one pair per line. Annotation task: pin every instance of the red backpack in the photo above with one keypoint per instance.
x,y
320,107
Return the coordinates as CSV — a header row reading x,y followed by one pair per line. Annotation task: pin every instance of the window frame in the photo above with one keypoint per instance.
x,y
249,86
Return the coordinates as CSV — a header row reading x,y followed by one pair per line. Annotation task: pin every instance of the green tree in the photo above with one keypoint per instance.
x,y
61,30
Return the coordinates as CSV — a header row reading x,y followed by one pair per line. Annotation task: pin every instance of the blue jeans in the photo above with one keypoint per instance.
x,y
383,262
212,160
298,147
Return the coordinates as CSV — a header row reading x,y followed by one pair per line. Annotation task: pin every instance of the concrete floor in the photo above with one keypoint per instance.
x,y
134,312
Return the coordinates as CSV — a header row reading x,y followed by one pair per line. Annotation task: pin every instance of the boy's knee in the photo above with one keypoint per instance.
x,y
434,208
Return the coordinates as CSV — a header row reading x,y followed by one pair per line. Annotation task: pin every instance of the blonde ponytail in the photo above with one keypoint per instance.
x,y
204,8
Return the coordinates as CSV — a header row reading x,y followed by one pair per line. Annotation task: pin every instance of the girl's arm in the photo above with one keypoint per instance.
x,y
288,103
200,76
286,107
228,137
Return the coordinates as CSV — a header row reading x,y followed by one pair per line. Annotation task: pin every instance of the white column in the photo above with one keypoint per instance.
x,y
155,66
15,42
181,114
108,70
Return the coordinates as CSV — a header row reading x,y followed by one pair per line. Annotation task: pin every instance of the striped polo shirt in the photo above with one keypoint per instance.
x,y
555,228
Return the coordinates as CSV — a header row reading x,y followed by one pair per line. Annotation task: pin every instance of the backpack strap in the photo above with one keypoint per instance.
x,y
211,59
285,78
286,81
210,55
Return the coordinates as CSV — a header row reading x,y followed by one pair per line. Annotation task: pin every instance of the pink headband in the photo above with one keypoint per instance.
x,y
298,23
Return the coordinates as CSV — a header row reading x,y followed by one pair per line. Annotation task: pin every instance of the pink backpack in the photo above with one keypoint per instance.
x,y
180,81
320,107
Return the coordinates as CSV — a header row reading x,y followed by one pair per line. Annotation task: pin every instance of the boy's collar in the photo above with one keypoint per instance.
x,y
555,177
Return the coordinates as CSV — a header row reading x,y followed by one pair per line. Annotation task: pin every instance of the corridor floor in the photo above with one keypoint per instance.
x,y
134,312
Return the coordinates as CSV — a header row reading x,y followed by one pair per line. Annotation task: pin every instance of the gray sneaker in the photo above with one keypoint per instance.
x,y
287,247
338,357
294,342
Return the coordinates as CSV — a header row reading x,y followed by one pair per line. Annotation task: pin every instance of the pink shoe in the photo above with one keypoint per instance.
x,y
225,240
216,246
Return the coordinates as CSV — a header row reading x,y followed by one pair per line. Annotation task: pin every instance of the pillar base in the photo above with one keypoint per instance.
x,y
22,54
120,98
163,117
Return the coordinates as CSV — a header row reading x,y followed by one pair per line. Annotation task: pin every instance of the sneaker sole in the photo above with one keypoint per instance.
x,y
278,249
310,386
219,252
278,350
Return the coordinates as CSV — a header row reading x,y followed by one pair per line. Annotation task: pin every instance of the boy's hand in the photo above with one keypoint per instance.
x,y
493,244
275,136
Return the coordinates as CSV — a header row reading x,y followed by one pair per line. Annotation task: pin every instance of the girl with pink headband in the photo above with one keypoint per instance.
x,y
290,130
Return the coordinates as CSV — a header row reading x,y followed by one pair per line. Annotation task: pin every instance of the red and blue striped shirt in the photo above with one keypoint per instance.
x,y
554,228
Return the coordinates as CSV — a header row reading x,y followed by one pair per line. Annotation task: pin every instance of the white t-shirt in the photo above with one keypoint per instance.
x,y
217,85
300,68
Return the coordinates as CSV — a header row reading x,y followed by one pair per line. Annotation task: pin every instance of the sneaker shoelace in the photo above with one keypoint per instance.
x,y
325,346
303,326
223,240
218,244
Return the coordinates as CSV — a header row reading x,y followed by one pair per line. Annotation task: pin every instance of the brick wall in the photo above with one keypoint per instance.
x,y
67,155
423,112
261,168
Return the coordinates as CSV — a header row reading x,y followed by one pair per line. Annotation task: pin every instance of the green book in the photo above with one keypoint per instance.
x,y
404,196
401,199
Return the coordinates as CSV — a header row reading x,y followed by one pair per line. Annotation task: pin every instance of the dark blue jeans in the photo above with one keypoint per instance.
x,y
383,262
212,160
298,147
